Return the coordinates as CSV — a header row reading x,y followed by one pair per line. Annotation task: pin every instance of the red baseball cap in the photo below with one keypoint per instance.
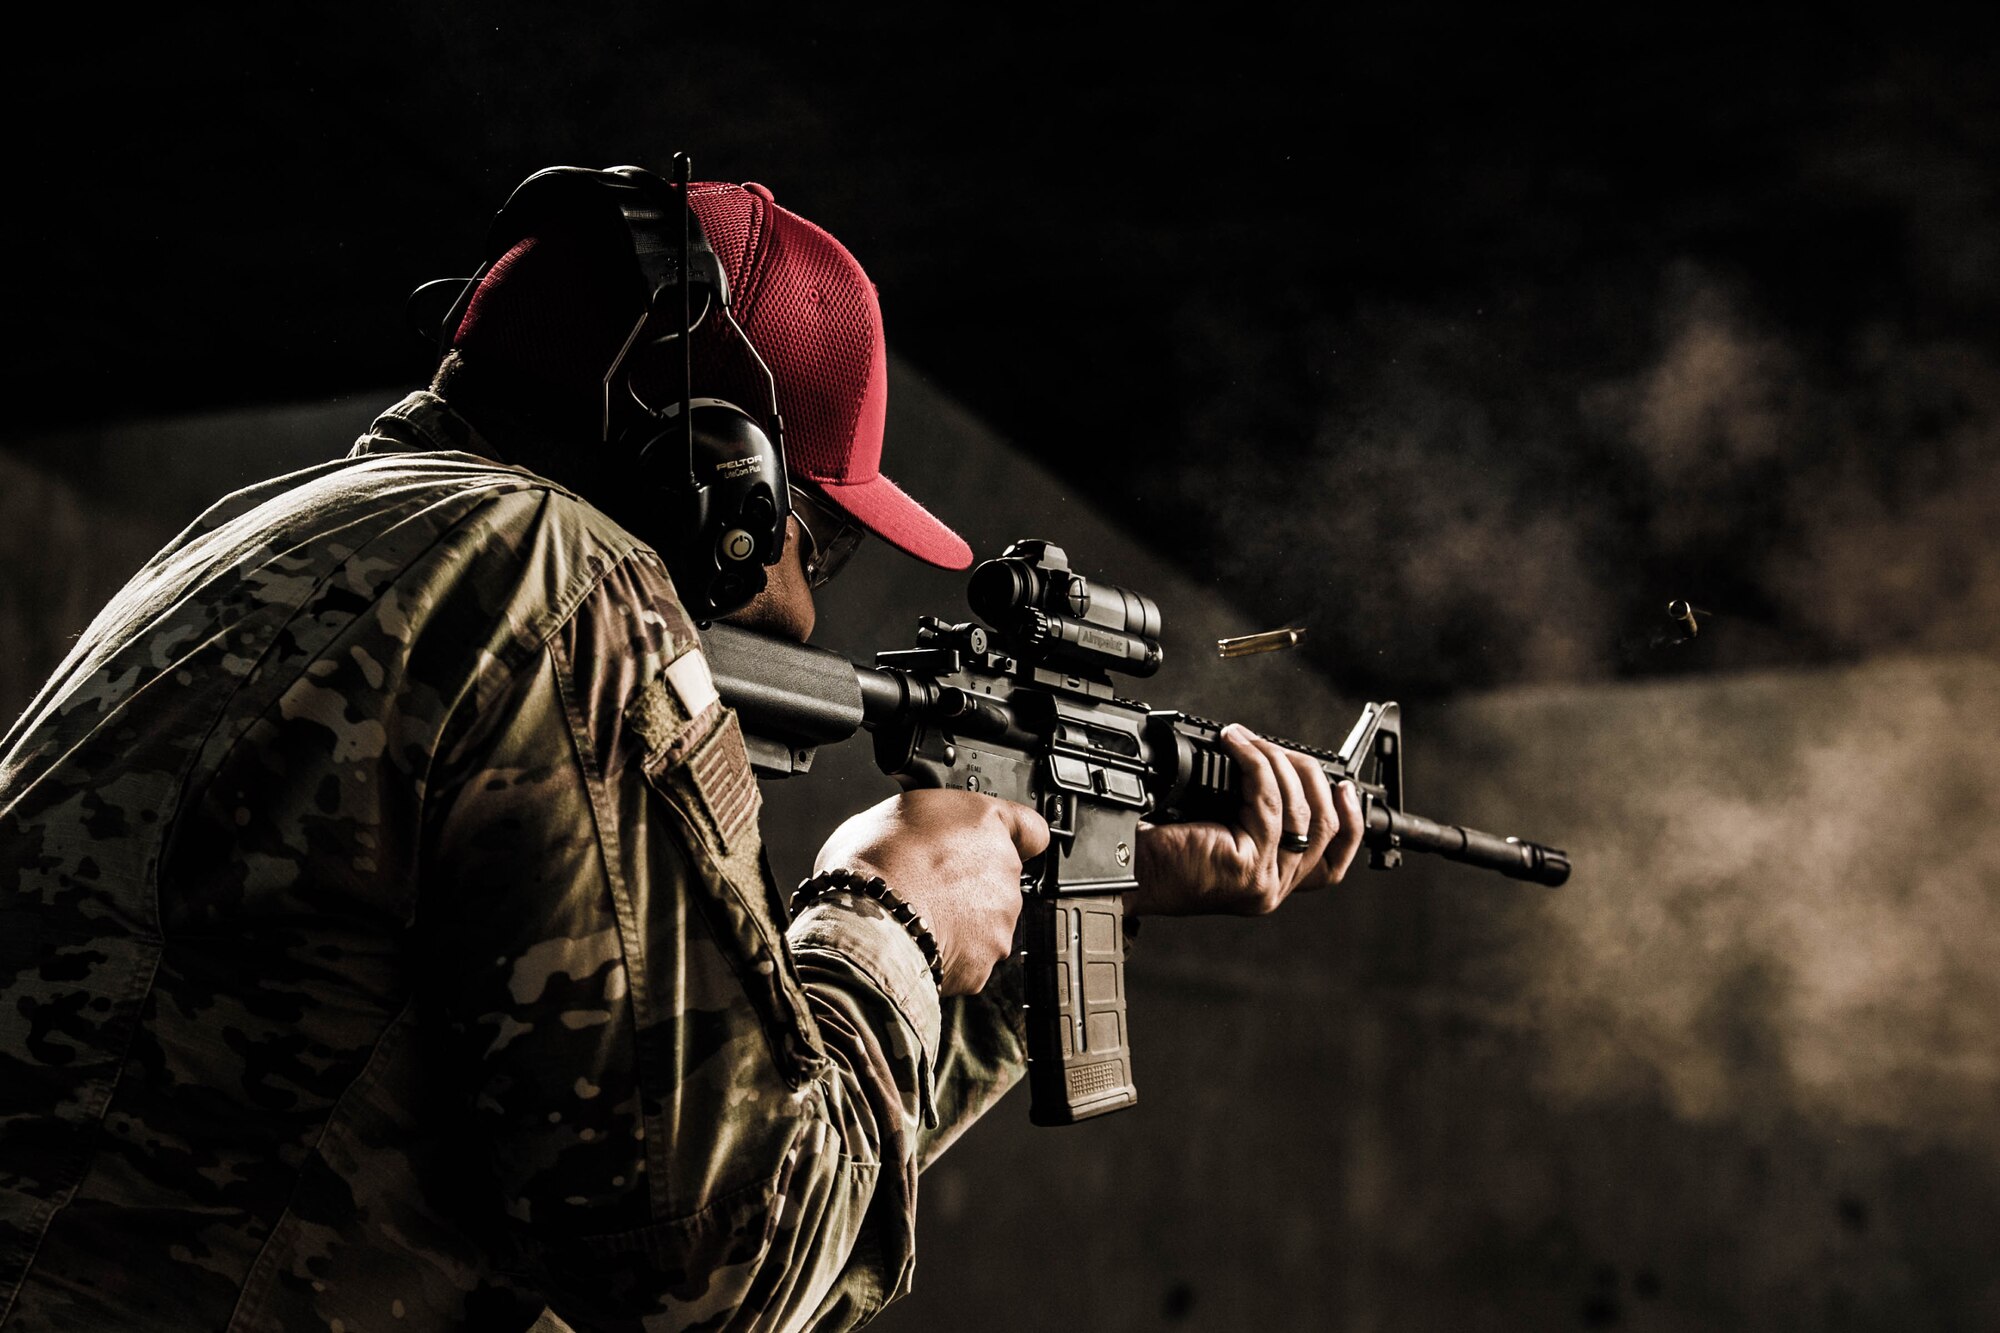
x,y
812,314
558,306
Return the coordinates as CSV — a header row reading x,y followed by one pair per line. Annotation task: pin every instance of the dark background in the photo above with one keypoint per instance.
x,y
1466,340
1337,304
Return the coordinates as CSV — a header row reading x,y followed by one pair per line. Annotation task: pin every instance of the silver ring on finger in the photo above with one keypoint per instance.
x,y
1294,842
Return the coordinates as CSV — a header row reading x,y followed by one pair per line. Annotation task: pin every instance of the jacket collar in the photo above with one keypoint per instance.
x,y
421,423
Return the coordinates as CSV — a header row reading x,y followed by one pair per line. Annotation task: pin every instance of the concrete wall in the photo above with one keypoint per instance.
x,y
1740,1073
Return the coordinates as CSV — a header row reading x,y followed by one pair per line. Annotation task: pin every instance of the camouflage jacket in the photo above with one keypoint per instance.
x,y
390,945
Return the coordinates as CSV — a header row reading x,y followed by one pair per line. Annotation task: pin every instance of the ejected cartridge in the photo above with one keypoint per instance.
x,y
1684,613
1270,641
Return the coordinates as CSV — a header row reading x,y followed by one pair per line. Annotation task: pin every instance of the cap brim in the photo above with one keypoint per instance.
x,y
881,506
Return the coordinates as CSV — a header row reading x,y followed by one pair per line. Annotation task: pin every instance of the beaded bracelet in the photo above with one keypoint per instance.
x,y
842,880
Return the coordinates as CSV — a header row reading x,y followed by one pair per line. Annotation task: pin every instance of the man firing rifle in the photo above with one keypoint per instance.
x,y
390,942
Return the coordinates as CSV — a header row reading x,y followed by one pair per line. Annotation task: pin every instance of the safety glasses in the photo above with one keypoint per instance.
x,y
830,536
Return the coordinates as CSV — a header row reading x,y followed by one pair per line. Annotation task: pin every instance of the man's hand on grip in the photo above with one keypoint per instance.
x,y
1243,868
956,857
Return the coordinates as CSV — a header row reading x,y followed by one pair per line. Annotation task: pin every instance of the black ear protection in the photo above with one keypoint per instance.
x,y
703,480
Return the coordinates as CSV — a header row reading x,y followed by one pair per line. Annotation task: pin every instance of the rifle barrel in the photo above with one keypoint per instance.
x,y
1515,858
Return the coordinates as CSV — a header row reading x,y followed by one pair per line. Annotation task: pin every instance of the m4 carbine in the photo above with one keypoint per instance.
x,y
1022,707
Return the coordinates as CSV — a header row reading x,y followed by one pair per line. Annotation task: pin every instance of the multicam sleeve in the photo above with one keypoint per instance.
x,y
976,1044
688,1123
982,1051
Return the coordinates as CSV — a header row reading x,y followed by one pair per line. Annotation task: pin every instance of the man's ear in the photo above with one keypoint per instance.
x,y
785,608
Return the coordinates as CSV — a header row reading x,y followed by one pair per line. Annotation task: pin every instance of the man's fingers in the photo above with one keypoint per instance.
x,y
1340,853
1263,812
1297,816
1326,820
1028,829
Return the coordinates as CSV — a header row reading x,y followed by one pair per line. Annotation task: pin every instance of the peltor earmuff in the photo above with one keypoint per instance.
x,y
701,479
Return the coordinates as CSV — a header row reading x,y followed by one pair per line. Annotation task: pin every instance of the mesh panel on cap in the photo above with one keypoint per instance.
x,y
730,217
812,313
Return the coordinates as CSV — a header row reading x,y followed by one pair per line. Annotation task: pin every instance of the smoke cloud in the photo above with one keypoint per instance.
x,y
1789,895
1474,503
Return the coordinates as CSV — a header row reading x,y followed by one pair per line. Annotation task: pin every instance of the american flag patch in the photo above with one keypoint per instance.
x,y
723,781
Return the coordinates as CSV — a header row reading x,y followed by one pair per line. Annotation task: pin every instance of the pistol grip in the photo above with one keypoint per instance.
x,y
1079,1052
